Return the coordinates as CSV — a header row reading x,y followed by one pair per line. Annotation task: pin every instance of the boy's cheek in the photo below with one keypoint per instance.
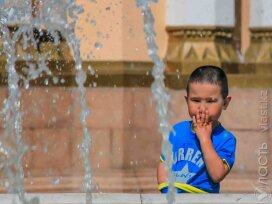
x,y
192,114
192,109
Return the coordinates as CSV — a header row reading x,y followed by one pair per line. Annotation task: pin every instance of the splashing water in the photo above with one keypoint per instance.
x,y
51,16
159,92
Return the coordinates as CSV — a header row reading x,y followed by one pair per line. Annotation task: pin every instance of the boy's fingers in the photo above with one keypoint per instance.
x,y
198,117
203,117
194,120
207,117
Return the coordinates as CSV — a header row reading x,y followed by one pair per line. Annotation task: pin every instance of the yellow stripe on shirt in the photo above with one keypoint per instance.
x,y
225,162
162,185
182,186
188,188
162,160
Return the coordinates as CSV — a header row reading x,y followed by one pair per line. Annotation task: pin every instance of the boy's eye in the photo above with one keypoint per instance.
x,y
211,101
195,100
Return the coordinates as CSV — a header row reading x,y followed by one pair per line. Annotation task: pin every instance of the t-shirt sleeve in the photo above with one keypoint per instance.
x,y
227,151
162,158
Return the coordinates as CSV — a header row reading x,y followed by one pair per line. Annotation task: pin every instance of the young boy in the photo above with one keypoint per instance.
x,y
203,151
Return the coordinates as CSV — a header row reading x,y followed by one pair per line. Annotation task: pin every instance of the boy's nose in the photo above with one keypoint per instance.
x,y
202,107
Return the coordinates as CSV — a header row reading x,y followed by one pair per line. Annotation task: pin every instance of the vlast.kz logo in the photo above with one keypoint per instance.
x,y
263,188
184,175
263,194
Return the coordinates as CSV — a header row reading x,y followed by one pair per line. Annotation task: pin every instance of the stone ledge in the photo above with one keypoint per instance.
x,y
133,74
70,198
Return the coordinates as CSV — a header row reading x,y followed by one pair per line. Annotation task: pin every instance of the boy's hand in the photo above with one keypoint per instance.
x,y
202,125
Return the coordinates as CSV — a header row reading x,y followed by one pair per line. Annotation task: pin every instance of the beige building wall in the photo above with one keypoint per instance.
x,y
118,27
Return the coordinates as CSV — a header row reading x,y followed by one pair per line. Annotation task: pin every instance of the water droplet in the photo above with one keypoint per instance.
x,y
96,186
45,149
93,22
90,69
55,181
55,80
98,45
46,82
242,167
27,86
6,184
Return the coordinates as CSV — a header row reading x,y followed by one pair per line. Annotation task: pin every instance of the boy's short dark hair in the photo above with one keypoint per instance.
x,y
210,74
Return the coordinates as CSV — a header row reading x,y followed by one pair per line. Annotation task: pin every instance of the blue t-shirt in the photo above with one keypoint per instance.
x,y
188,167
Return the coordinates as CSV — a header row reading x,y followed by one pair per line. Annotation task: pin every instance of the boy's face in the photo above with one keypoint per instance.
x,y
205,96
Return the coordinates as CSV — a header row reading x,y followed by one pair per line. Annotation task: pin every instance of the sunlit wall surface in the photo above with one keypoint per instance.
x,y
260,15
200,13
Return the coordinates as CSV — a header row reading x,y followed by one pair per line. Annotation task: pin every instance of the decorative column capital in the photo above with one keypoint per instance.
x,y
261,34
194,46
202,33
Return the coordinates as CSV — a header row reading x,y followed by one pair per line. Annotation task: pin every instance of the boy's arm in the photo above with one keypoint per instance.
x,y
217,169
161,174
161,178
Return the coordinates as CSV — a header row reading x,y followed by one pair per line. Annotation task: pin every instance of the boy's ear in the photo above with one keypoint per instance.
x,y
226,102
186,98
